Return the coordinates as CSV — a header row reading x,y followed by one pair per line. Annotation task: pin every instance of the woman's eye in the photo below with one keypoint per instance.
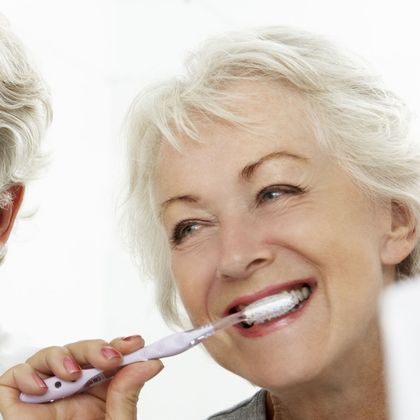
x,y
184,229
274,192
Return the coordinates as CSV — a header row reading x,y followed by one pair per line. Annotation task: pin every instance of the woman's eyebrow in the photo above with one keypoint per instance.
x,y
246,173
183,198
249,170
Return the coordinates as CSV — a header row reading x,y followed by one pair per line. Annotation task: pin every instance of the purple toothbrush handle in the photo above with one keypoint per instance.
x,y
168,346
58,388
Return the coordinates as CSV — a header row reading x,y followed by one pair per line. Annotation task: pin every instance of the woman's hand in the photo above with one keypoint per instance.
x,y
115,399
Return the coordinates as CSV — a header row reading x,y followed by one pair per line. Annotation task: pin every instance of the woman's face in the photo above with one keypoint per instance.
x,y
254,214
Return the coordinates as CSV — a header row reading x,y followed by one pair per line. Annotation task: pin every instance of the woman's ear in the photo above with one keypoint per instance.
x,y
401,237
9,212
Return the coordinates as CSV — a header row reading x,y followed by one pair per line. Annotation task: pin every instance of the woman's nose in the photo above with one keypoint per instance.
x,y
242,250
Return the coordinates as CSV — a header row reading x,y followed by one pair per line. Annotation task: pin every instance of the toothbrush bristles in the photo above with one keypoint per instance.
x,y
260,311
268,308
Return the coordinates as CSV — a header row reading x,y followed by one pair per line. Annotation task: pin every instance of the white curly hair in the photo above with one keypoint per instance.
x,y
25,113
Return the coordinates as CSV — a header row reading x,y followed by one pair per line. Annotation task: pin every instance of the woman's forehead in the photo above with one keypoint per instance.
x,y
270,111
233,153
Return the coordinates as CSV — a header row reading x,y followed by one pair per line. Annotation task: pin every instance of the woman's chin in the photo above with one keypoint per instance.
x,y
277,379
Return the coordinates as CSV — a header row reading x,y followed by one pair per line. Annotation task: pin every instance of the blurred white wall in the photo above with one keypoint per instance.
x,y
400,324
67,276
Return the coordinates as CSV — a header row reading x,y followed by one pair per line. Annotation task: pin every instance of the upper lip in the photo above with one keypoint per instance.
x,y
270,290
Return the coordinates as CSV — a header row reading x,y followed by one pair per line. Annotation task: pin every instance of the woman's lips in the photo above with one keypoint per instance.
x,y
265,328
268,291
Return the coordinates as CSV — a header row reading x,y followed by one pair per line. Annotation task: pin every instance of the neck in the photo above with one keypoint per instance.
x,y
353,388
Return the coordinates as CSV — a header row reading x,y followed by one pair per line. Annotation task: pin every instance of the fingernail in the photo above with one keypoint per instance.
x,y
39,381
70,365
110,353
131,337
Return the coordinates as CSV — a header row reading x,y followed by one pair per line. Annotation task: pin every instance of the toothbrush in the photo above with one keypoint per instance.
x,y
257,312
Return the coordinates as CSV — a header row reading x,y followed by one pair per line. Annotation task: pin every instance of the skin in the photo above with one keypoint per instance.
x,y
9,213
244,211
116,399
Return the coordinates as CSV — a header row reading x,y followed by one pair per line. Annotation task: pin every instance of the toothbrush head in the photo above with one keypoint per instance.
x,y
270,307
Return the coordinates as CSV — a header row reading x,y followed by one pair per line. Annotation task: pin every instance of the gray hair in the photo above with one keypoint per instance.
x,y
355,117
25,112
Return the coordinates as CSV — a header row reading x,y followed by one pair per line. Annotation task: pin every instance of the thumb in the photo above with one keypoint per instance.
x,y
123,391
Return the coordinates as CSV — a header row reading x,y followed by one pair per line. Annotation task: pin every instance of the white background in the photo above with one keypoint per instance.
x,y
67,275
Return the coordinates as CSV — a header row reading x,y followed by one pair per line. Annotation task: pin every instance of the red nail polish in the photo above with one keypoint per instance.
x,y
70,365
110,353
39,381
131,337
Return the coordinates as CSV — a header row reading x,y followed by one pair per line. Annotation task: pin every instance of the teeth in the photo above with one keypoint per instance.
x,y
296,294
301,294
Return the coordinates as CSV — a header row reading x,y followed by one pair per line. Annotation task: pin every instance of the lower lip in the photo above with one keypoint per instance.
x,y
268,327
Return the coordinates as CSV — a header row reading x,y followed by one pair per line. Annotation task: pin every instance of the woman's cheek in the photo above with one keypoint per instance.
x,y
194,278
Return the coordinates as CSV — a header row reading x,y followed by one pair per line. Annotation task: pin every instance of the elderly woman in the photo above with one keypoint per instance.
x,y
279,164
24,114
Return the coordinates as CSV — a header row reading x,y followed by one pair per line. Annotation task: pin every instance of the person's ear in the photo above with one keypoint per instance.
x,y
401,237
9,212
